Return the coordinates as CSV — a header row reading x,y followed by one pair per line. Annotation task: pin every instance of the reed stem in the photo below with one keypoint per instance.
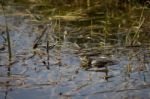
x,y
7,33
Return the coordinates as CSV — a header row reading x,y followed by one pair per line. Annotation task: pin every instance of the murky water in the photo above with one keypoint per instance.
x,y
28,75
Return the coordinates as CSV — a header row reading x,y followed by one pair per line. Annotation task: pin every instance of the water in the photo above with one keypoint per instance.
x,y
28,76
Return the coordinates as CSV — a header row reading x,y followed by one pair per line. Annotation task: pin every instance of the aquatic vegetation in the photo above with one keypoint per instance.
x,y
7,33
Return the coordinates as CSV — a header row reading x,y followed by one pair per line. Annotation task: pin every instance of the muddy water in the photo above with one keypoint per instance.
x,y
29,77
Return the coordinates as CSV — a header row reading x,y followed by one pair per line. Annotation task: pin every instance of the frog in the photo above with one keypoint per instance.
x,y
97,62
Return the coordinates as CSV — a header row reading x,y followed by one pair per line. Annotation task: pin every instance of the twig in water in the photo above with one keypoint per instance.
x,y
39,38
47,49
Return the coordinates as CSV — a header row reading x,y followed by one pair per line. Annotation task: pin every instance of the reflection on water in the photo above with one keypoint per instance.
x,y
28,76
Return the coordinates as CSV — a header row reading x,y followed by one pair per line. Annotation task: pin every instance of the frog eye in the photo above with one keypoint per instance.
x,y
83,58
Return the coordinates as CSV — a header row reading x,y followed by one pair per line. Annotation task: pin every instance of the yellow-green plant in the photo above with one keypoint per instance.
x,y
134,32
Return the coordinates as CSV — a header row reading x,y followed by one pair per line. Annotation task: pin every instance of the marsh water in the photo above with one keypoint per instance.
x,y
34,74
